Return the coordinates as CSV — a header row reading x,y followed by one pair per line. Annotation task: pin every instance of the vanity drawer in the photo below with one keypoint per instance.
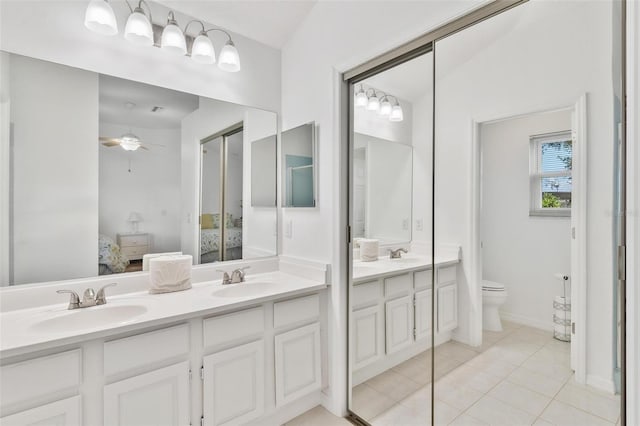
x,y
366,294
133,240
134,251
422,279
446,275
144,349
296,310
52,374
397,285
233,327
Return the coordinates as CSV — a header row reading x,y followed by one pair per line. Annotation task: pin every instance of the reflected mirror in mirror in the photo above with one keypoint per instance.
x,y
105,170
298,166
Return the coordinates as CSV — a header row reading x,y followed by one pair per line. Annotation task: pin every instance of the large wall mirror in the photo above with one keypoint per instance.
x,y
105,170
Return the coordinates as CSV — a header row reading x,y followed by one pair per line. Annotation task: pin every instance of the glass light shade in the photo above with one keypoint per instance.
x,y
396,113
361,99
129,142
100,18
138,29
229,59
373,104
173,39
385,108
202,50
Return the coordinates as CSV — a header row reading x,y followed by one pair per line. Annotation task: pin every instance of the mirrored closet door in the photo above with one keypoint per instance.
x,y
511,262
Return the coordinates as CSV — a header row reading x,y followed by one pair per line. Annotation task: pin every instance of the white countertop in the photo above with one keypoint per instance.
x,y
365,271
43,327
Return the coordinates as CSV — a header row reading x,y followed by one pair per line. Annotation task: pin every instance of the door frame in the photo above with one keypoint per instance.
x,y
578,225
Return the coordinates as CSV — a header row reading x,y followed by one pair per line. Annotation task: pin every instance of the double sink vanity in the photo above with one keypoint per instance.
x,y
216,354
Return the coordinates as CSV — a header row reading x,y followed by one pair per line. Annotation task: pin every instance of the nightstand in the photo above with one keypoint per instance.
x,y
134,246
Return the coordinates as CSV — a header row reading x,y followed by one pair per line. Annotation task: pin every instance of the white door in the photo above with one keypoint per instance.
x,y
398,324
447,307
67,412
422,315
298,369
234,385
157,398
367,336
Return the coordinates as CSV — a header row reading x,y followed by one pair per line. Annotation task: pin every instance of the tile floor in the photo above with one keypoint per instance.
x,y
520,376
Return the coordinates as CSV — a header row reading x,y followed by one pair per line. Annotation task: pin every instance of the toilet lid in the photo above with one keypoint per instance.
x,y
492,286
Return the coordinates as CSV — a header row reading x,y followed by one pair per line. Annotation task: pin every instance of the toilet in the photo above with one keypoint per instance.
x,y
493,296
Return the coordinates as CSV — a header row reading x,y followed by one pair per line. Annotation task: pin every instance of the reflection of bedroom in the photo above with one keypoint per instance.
x,y
139,189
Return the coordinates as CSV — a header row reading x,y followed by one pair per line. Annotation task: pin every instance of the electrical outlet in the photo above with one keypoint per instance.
x,y
405,224
419,225
288,229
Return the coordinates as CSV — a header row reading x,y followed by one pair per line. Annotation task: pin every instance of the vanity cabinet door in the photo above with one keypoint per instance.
x,y
423,304
398,324
447,307
298,364
66,412
367,336
234,385
160,397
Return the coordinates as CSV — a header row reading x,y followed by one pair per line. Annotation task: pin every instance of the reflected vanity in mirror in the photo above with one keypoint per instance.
x,y
299,166
105,170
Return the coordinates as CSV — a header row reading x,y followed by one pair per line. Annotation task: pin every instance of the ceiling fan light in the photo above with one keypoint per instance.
x,y
138,29
374,103
99,18
202,50
385,108
173,38
229,59
396,113
129,142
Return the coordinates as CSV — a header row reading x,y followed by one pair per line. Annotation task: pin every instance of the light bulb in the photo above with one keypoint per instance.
x,y
173,38
396,113
374,103
138,29
385,108
361,98
100,18
202,50
229,59
129,142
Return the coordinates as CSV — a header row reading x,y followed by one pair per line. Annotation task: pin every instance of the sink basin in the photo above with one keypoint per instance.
x,y
86,318
245,289
405,260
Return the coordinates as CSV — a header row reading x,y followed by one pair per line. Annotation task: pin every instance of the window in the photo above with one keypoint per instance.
x,y
550,172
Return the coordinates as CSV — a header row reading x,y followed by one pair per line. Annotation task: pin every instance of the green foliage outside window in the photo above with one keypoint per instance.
x,y
550,201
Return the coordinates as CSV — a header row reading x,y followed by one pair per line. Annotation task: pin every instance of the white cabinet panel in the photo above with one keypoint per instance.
x,y
447,307
293,311
234,385
423,279
67,412
367,336
158,398
446,275
398,324
423,305
224,328
398,285
297,363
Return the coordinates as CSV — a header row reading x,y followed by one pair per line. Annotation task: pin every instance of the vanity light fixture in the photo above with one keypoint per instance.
x,y
100,18
379,102
139,29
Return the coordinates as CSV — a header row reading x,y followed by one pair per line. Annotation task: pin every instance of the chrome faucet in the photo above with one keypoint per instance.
x,y
397,254
237,276
89,297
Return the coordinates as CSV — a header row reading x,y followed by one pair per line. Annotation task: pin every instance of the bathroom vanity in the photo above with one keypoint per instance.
x,y
391,310
214,355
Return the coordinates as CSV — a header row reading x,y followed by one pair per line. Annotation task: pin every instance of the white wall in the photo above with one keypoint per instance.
x,y
532,58
54,30
422,156
55,179
151,188
311,61
521,251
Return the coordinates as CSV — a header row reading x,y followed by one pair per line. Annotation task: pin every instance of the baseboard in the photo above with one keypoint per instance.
x,y
601,383
531,322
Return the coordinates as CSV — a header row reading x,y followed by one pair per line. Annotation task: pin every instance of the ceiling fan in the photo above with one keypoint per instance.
x,y
128,142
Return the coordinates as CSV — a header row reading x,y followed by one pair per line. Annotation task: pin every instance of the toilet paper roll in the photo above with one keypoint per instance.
x,y
369,250
170,273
